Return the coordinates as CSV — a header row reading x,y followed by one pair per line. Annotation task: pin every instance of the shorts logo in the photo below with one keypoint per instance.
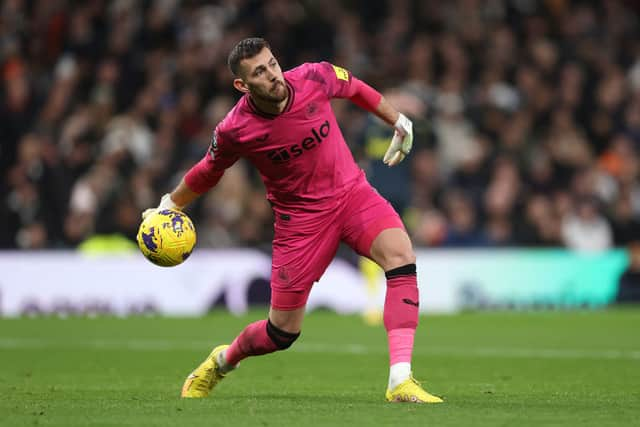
x,y
285,154
283,274
341,73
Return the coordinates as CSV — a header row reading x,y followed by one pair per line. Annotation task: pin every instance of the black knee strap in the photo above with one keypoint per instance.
x,y
280,338
405,270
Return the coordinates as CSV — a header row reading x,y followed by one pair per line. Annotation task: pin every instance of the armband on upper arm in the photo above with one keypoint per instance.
x,y
341,73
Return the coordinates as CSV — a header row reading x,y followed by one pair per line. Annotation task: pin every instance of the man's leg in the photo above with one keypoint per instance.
x,y
277,332
374,230
392,250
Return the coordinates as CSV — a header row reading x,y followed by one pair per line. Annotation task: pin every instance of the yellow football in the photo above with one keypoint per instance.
x,y
166,238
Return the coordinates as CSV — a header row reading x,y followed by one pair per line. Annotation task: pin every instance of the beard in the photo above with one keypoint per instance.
x,y
275,94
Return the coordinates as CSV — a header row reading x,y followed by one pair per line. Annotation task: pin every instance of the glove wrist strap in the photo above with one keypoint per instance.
x,y
402,124
167,203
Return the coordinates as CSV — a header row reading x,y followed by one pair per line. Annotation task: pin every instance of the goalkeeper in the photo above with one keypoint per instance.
x,y
285,127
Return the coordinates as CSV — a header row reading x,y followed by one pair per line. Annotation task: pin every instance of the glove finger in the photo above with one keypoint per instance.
x,y
147,212
401,156
389,154
396,143
397,158
407,143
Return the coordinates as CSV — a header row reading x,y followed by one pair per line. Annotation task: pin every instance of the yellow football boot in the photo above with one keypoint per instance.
x,y
200,382
411,391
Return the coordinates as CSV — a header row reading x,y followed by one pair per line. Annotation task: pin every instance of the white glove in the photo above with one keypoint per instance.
x,y
165,203
401,142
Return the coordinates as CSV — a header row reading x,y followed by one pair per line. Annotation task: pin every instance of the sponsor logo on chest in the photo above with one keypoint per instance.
x,y
309,142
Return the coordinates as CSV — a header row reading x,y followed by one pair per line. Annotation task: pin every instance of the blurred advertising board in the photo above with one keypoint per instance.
x,y
496,279
69,283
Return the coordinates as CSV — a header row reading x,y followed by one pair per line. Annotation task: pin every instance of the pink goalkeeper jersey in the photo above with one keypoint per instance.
x,y
301,154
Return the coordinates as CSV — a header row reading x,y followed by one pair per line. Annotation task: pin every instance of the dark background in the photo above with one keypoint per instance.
x,y
527,115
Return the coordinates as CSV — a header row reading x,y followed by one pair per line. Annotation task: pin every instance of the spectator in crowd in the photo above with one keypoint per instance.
x,y
629,282
527,114
586,230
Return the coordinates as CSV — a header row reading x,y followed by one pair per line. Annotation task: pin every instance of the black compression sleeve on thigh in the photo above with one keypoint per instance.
x,y
280,338
405,270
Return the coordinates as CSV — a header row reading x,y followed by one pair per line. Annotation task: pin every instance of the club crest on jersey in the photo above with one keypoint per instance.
x,y
311,110
285,154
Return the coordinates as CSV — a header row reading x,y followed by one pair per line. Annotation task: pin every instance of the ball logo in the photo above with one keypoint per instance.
x,y
285,154
176,224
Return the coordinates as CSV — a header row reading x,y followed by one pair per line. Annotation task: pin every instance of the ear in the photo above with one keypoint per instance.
x,y
240,85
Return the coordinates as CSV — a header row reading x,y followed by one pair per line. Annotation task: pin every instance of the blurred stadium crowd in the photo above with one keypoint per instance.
x,y
527,114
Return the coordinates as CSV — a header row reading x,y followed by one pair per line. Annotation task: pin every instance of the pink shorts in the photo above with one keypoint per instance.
x,y
305,243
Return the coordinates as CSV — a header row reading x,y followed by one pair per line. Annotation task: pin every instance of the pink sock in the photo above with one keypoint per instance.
x,y
252,341
400,345
401,312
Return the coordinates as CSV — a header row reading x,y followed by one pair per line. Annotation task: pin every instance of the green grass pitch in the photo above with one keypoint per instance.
x,y
493,369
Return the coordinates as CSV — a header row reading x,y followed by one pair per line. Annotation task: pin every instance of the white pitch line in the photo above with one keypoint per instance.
x,y
17,343
537,353
93,344
526,353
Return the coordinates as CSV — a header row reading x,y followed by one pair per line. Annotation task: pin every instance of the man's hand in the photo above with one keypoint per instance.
x,y
165,203
401,142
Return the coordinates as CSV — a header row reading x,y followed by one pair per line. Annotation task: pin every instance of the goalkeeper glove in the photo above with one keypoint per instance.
x,y
165,203
401,142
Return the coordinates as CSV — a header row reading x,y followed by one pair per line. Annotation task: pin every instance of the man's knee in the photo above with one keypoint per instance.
x,y
392,249
282,339
398,257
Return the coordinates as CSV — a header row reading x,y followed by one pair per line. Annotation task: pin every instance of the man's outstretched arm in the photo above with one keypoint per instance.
x,y
371,100
183,195
179,198
200,178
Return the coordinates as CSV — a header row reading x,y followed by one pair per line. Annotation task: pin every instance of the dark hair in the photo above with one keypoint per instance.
x,y
247,48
